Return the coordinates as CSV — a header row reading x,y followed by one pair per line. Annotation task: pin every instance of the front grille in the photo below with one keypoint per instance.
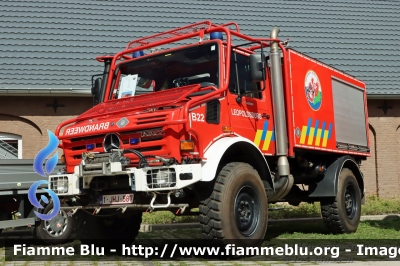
x,y
154,148
153,119
125,136
155,145
110,182
213,111
88,138
76,148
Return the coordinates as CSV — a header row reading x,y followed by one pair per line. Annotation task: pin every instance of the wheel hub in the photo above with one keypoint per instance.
x,y
247,211
244,212
57,225
349,202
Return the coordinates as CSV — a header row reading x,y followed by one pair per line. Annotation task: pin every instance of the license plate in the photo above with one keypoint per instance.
x,y
116,199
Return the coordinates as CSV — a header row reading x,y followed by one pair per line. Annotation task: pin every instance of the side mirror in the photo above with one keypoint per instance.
x,y
257,67
96,90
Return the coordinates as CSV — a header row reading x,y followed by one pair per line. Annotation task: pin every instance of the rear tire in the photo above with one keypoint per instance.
x,y
342,214
236,212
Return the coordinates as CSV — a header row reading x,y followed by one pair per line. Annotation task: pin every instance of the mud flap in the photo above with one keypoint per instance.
x,y
328,186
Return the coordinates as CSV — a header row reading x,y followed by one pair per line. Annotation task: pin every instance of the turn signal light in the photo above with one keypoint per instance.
x,y
226,129
187,145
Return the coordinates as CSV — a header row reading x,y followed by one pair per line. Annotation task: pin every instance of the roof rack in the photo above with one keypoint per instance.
x,y
195,27
170,34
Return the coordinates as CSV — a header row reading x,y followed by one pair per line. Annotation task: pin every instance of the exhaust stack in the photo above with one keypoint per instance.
x,y
279,107
106,73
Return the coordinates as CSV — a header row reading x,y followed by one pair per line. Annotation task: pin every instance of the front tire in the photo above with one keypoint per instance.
x,y
342,214
109,231
236,212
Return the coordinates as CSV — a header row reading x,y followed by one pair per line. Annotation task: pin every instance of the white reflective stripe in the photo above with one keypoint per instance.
x,y
215,152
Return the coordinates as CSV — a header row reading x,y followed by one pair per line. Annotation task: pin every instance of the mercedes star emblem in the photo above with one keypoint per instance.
x,y
111,141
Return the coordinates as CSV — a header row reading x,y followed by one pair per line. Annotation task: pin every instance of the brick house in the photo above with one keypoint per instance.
x,y
47,52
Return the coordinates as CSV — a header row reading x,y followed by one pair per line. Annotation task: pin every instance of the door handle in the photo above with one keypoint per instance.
x,y
264,115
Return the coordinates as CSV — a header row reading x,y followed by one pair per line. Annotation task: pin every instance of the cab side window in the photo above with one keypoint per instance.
x,y
245,84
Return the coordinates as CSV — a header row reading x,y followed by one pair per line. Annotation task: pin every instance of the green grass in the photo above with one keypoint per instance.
x,y
383,229
373,206
284,211
166,217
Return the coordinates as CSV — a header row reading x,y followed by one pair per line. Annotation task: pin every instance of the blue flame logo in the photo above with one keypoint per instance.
x,y
49,167
32,198
41,156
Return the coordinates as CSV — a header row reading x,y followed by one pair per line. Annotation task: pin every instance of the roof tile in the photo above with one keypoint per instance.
x,y
54,43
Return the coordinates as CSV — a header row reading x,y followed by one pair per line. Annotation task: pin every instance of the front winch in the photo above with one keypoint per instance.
x,y
115,161
113,156
102,163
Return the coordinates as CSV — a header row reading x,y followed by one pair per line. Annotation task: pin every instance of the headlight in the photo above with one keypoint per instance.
x,y
161,178
61,185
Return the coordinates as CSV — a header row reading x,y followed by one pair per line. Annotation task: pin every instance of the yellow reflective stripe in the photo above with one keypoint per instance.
x,y
311,136
303,134
326,133
318,138
267,141
257,138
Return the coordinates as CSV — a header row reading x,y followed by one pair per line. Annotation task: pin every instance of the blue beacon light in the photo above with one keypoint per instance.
x,y
137,54
90,146
134,141
216,35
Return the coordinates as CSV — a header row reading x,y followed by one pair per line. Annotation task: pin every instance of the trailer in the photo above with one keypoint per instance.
x,y
16,177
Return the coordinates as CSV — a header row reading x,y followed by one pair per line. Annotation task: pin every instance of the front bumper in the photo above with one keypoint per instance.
x,y
149,179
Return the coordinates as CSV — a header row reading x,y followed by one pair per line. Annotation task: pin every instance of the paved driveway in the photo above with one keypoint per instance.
x,y
166,234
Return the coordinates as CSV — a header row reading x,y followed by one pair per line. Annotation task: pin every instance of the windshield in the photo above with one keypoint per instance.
x,y
194,65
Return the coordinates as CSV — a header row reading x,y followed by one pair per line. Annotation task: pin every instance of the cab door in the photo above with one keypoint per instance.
x,y
251,117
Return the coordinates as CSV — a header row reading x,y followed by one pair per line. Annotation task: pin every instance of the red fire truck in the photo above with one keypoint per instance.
x,y
204,116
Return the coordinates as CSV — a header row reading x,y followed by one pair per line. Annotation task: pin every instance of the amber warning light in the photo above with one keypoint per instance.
x,y
187,145
226,129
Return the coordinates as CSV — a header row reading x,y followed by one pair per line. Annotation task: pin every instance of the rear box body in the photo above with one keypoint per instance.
x,y
329,110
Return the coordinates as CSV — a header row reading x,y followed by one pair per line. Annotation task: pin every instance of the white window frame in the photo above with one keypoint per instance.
x,y
9,136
